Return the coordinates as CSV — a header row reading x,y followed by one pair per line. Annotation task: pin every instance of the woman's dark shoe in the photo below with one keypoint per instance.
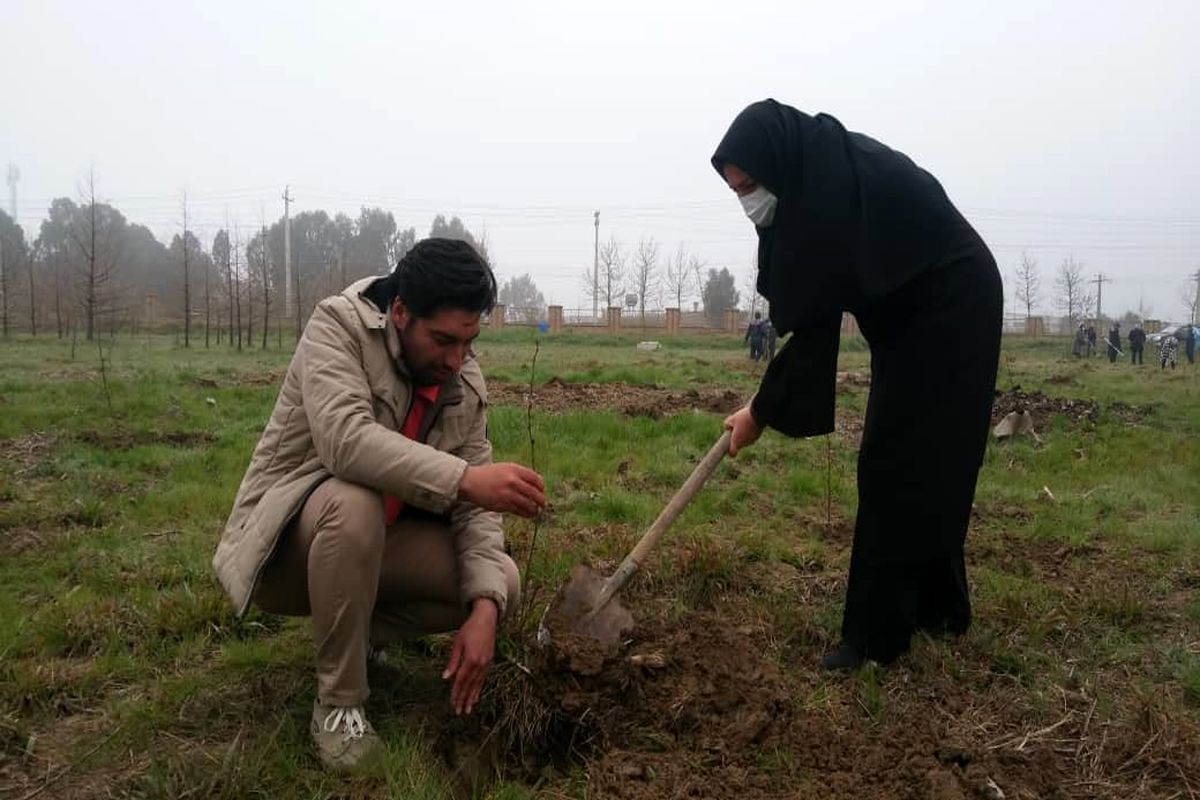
x,y
846,658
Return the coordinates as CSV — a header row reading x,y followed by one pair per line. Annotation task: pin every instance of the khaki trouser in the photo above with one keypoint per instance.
x,y
363,582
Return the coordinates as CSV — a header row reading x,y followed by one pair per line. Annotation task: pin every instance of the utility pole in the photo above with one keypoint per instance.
x,y
596,272
1099,280
287,258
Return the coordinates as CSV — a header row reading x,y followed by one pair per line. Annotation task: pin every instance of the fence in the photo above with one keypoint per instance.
x,y
663,321
668,321
528,315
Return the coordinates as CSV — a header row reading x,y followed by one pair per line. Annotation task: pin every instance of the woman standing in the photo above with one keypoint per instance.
x,y
848,224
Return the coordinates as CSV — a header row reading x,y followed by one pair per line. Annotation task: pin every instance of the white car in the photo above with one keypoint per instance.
x,y
1180,332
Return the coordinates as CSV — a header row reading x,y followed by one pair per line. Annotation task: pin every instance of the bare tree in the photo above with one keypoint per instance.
x,y
678,277
222,257
187,284
237,282
1028,281
757,301
610,283
1189,296
57,270
207,304
266,279
645,272
249,299
30,260
1071,288
5,268
223,250
696,267
94,247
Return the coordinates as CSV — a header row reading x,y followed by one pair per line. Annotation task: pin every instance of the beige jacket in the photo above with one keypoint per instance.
x,y
343,401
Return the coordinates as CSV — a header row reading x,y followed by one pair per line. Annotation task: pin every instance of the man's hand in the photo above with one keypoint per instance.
x,y
745,430
471,655
507,488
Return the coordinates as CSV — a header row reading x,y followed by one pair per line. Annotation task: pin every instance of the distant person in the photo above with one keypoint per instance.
x,y
754,335
1091,341
845,223
1168,349
1114,342
1189,344
1137,340
371,503
1080,345
770,338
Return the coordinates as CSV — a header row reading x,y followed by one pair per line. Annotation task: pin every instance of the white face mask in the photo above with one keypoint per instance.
x,y
759,206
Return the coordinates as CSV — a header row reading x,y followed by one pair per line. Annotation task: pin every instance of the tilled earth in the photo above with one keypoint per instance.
x,y
557,396
1043,407
725,702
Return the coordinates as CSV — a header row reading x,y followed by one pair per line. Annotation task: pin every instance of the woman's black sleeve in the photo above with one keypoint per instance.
x,y
798,391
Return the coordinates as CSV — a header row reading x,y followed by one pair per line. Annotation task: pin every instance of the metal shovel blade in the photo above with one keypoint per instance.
x,y
588,604
574,610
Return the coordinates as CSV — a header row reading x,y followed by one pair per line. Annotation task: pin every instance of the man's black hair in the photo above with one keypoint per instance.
x,y
438,274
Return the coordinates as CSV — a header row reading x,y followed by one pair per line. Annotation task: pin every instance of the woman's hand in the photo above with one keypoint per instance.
x,y
745,430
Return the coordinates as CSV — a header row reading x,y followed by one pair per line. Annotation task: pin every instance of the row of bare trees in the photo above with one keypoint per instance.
x,y
646,273
90,271
1072,294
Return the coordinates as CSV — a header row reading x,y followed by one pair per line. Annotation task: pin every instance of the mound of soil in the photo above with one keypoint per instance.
x,y
26,452
558,396
117,439
1078,410
1129,413
694,708
1042,407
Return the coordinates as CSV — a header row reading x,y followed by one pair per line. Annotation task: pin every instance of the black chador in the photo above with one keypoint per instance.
x,y
859,227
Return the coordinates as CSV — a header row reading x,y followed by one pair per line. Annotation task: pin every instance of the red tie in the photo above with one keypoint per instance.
x,y
423,398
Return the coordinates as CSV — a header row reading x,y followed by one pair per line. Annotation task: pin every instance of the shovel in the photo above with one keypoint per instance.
x,y
587,604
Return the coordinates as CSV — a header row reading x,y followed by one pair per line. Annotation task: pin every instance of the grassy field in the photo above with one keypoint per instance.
x,y
123,672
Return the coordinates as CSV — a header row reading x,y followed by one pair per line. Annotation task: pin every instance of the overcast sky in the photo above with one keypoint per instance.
x,y
1057,127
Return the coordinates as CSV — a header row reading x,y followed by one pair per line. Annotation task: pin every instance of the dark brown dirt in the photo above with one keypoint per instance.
x,y
267,378
117,439
27,452
694,708
1078,411
1042,407
557,396
717,704
1129,413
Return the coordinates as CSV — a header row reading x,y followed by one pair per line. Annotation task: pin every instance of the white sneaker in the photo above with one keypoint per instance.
x,y
343,737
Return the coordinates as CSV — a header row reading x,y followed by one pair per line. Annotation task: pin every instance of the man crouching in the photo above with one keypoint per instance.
x,y
371,503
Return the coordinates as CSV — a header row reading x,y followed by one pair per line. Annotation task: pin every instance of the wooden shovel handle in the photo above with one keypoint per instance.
x,y
650,538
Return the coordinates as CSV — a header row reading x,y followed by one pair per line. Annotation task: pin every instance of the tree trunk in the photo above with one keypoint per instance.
x,y
91,290
229,286
237,293
58,315
207,306
3,292
32,299
249,304
266,291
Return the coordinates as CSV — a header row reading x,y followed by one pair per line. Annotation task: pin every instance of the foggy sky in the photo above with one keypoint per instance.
x,y
1058,130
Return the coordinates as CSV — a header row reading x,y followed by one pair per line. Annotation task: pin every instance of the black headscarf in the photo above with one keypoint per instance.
x,y
854,220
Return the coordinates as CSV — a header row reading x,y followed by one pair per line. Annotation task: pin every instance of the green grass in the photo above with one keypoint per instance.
x,y
119,653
